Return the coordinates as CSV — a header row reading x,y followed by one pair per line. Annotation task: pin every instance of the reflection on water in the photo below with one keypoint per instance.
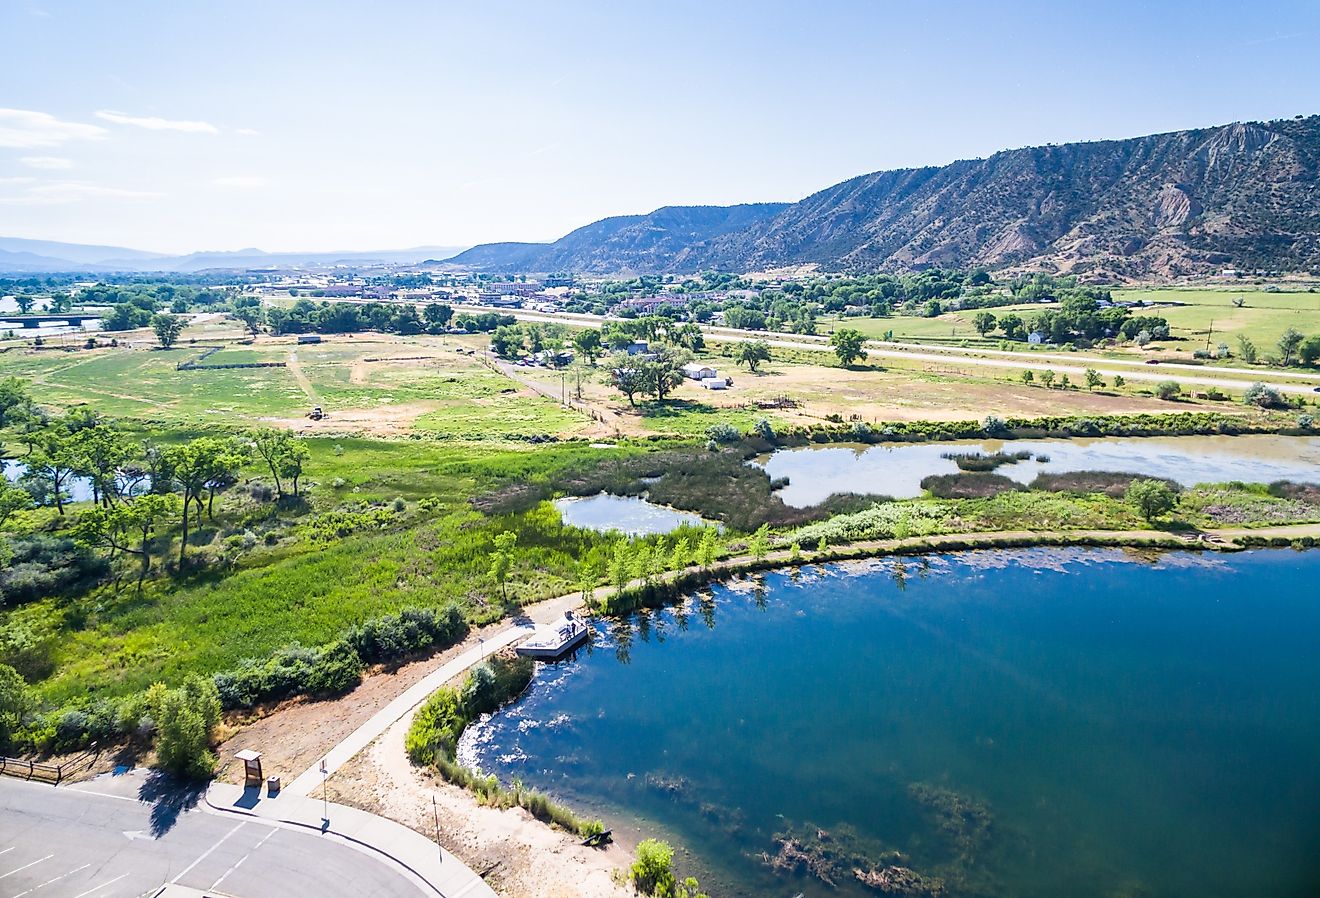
x,y
1026,723
626,514
815,473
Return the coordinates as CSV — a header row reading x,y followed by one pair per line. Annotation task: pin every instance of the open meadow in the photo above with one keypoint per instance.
x,y
1194,314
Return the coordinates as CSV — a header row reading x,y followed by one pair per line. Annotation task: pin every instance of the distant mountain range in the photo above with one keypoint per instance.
x,y
1244,195
19,256
641,243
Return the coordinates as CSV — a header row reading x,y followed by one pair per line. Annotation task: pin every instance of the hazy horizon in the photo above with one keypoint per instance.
x,y
330,128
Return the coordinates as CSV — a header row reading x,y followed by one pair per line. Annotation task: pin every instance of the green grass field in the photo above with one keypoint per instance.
x,y
1262,320
1197,312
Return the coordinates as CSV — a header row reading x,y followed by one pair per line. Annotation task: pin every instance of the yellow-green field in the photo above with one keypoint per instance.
x,y
1192,315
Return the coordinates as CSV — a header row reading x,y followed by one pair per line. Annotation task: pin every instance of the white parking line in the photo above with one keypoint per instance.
x,y
207,853
7,850
56,879
108,882
25,866
225,875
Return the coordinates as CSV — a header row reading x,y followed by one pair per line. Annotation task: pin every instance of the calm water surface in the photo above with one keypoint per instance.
x,y
627,514
1027,723
814,473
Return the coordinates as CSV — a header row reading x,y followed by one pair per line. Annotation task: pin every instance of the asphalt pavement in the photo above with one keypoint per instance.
x,y
131,838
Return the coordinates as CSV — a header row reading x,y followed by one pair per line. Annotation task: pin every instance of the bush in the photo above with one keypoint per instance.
x,y
292,670
16,702
29,650
1263,396
723,433
396,636
41,565
186,717
883,521
653,871
1168,390
764,430
436,727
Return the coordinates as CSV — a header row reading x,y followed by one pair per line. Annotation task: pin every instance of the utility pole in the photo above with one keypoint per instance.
x,y
1208,333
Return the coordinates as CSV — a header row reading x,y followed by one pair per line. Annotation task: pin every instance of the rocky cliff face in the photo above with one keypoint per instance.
x,y
1246,195
623,244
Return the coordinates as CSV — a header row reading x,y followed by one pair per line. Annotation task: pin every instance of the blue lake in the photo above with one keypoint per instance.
x,y
1023,723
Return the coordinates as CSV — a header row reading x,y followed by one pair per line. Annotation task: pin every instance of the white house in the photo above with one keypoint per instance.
x,y
698,371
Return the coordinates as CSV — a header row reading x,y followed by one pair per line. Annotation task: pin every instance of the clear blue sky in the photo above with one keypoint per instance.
x,y
289,124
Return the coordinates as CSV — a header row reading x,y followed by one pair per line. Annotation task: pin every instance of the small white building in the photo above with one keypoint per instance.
x,y
698,371
714,383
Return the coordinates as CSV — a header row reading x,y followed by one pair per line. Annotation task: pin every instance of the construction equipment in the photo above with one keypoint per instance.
x,y
316,414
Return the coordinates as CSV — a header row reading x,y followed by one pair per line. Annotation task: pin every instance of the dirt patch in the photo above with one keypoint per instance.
x,y
303,383
294,735
357,375
384,420
519,856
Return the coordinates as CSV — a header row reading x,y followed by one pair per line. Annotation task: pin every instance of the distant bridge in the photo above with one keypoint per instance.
x,y
29,321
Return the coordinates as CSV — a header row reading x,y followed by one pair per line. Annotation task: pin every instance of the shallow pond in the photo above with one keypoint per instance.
x,y
77,489
1025,723
816,472
626,514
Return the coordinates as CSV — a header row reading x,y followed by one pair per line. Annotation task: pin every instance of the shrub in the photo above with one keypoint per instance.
x,y
186,717
881,521
395,636
653,871
994,425
1263,396
28,649
1168,390
292,670
764,430
723,433
41,565
436,727
16,702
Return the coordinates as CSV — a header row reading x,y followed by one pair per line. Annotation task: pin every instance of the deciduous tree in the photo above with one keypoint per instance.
x,y
849,345
168,328
753,354
1152,498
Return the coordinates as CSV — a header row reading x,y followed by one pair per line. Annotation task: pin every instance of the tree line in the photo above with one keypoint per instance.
x,y
139,490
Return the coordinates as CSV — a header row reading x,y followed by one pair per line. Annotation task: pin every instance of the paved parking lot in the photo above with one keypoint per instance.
x,y
68,842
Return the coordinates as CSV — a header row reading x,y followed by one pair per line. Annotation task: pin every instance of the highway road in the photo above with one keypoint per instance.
x,y
1073,364
69,842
